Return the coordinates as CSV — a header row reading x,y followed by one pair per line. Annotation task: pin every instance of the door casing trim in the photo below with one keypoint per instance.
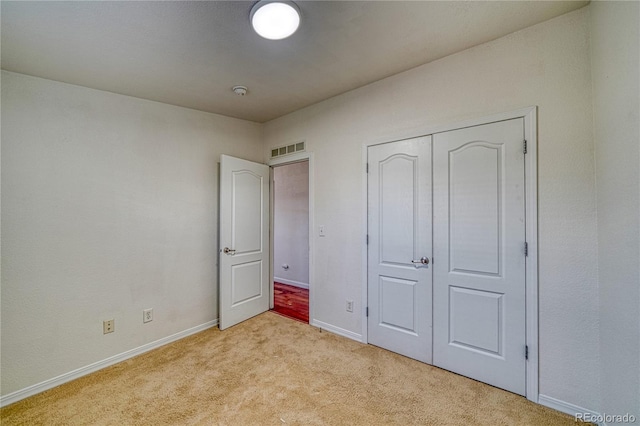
x,y
529,114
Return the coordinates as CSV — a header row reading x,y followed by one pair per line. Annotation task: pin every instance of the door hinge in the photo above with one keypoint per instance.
x,y
526,352
525,146
367,239
526,249
367,167
367,311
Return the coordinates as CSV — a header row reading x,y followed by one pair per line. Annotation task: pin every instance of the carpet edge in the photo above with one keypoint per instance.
x,y
99,365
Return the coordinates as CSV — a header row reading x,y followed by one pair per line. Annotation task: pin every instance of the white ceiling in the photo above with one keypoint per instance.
x,y
190,53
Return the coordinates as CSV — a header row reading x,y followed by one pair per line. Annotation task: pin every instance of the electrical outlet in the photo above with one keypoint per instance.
x,y
147,315
349,305
108,326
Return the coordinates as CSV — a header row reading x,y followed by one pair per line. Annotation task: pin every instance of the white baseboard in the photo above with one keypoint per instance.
x,y
291,282
567,407
337,330
83,371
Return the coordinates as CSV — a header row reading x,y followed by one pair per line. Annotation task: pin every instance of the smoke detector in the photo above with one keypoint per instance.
x,y
239,90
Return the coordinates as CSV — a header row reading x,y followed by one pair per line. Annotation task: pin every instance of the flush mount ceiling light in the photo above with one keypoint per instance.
x,y
275,19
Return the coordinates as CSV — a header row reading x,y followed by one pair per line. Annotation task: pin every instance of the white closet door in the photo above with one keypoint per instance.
x,y
399,222
479,258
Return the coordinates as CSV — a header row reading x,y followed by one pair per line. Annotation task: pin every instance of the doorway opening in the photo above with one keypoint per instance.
x,y
291,240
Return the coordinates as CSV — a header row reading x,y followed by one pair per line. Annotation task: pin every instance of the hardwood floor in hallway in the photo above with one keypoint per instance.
x,y
291,302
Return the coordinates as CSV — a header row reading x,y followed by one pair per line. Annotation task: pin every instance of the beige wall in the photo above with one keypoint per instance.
x,y
616,91
546,65
109,206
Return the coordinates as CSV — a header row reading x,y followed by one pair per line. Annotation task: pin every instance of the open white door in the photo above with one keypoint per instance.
x,y
244,240
479,253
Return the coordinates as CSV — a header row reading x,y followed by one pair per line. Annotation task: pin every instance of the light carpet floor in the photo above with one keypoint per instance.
x,y
271,370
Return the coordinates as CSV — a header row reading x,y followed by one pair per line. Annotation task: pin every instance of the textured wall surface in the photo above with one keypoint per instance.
x,y
291,223
547,65
109,206
616,92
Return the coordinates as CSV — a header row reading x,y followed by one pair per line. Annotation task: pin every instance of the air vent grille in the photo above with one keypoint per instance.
x,y
286,150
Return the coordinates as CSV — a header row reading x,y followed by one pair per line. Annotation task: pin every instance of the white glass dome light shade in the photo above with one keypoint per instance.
x,y
275,20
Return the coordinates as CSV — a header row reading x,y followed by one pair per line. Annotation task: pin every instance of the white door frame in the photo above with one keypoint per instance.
x,y
289,159
529,115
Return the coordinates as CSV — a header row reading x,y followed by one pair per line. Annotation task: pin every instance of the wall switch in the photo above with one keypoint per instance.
x,y
349,305
108,326
147,315
321,230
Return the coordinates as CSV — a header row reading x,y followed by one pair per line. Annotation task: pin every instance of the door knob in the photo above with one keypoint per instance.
x,y
229,251
423,261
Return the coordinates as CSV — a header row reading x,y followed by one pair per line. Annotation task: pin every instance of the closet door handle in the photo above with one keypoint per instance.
x,y
229,251
423,261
